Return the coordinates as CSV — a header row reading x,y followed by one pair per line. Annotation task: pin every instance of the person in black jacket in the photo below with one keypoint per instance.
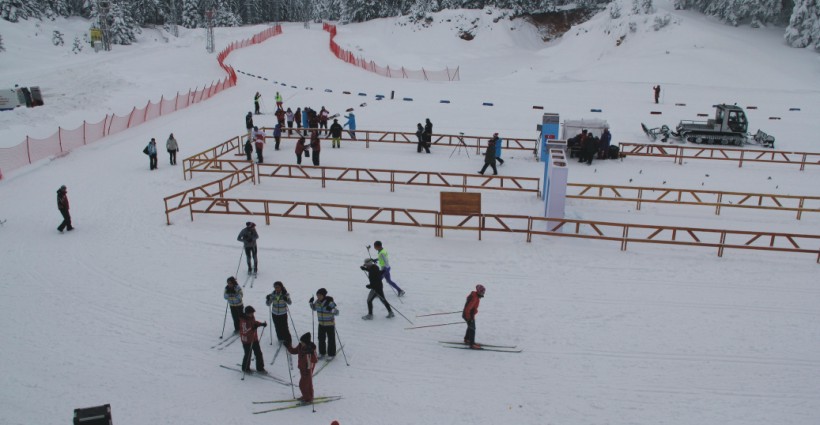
x,y
428,133
248,237
421,135
248,149
489,158
249,123
336,134
62,205
374,275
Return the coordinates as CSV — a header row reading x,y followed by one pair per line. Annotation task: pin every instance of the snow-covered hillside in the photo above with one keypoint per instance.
x,y
125,309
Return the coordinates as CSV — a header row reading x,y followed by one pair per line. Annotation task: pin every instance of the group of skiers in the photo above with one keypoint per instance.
x,y
171,146
492,154
587,146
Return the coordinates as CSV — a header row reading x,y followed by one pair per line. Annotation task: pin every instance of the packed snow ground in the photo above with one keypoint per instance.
x,y
124,310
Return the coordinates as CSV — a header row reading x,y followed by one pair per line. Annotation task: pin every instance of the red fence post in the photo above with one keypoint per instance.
x,y
28,149
60,137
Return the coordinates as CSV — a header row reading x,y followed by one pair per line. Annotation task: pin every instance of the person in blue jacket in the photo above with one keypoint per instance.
x,y
277,135
305,122
351,125
498,142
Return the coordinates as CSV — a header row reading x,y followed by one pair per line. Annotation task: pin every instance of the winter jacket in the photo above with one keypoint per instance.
x,y
259,137
289,115
62,199
471,306
278,98
248,237
420,132
277,130
351,121
374,275
249,121
335,130
428,130
606,138
306,355
305,119
384,261
280,115
300,145
247,328
498,143
326,311
171,144
233,295
151,149
248,146
278,302
489,154
323,114
315,142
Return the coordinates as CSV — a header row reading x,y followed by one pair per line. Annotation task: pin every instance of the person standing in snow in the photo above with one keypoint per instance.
x,y
489,158
306,119
233,294
248,149
323,115
326,313
249,123
280,117
277,135
336,134
603,149
62,205
469,313
428,133
250,340
173,147
256,99
497,142
259,138
248,237
278,101
657,90
289,118
151,151
315,146
278,301
374,276
384,265
297,117
422,144
306,352
300,148
351,125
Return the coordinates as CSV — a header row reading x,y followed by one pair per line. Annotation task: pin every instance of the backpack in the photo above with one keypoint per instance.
x,y
613,152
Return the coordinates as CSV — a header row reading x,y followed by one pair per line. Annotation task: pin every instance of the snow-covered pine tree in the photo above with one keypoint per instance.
x,y
14,10
362,10
226,18
804,25
190,14
146,11
330,10
2,48
123,29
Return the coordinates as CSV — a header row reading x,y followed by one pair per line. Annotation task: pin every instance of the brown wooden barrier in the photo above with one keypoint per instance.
x,y
679,153
400,177
204,160
218,188
618,232
710,198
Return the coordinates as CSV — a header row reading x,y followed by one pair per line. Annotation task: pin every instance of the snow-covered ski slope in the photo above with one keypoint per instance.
x,y
124,309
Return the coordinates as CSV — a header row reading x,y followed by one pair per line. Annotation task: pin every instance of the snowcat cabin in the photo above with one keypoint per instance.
x,y
731,117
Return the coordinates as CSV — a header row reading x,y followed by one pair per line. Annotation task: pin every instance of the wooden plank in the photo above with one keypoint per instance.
x,y
460,203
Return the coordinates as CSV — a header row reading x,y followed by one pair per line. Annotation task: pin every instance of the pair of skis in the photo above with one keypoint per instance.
x,y
327,362
251,278
226,342
295,402
484,347
266,376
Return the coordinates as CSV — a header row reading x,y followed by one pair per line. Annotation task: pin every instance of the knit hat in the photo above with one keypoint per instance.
x,y
305,338
249,309
232,279
480,289
321,291
250,224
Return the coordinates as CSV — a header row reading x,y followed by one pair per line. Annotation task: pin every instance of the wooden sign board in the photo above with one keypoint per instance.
x,y
460,203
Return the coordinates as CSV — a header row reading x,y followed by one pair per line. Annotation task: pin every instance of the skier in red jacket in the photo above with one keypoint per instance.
x,y
250,340
307,361
469,313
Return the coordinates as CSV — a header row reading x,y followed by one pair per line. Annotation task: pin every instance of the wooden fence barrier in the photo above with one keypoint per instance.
x,y
710,198
623,233
217,188
680,152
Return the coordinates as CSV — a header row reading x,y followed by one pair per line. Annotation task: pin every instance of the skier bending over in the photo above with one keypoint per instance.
x,y
376,287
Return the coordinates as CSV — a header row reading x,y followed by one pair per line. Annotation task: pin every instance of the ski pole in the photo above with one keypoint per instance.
x,y
271,321
341,345
391,286
394,308
224,320
437,314
432,326
240,262
292,391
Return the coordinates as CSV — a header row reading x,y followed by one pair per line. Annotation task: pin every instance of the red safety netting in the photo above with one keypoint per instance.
x,y
32,150
423,74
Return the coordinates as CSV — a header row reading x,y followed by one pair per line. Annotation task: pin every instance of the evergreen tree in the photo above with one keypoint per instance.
x,y
14,10
804,25
2,48
224,17
145,11
123,28
190,14
362,10
78,45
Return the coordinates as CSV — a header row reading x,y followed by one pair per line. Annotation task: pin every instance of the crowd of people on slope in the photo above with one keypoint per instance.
x,y
586,146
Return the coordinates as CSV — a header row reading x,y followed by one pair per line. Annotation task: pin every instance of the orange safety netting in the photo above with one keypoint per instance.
x,y
424,74
32,150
